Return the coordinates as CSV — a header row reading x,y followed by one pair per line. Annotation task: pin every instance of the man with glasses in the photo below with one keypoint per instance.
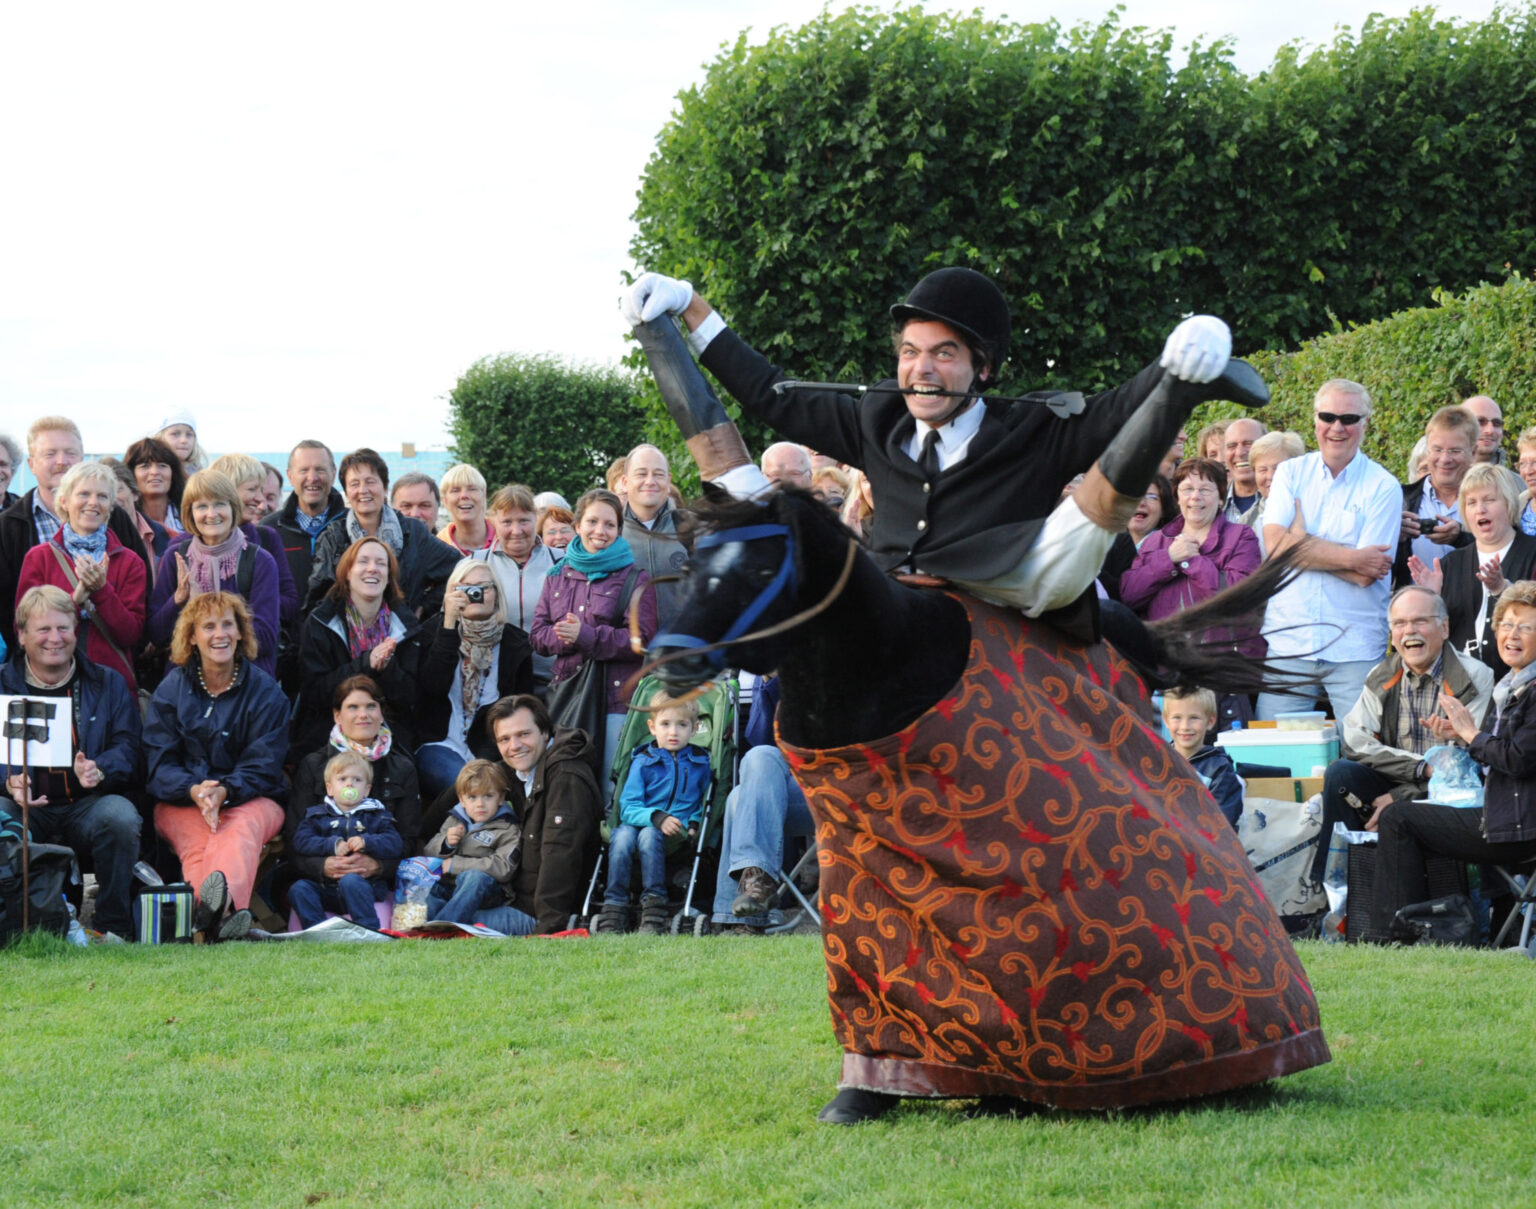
x,y
1387,733
1331,622
1490,428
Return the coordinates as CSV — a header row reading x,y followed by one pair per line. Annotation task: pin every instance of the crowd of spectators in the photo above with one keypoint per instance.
x,y
223,646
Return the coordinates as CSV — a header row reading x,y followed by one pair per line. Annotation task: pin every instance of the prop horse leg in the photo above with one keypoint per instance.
x,y
1113,486
712,438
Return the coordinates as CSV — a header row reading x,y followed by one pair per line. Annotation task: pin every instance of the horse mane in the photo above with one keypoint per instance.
x,y
718,510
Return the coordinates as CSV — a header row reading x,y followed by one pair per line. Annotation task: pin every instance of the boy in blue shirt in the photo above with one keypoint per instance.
x,y
662,799
1189,713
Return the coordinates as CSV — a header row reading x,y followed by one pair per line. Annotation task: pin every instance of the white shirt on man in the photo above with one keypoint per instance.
x,y
1321,615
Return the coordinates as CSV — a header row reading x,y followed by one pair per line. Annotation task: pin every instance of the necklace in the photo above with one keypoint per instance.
x,y
204,683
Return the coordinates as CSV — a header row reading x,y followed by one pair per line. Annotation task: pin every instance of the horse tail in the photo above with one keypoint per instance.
x,y
1198,645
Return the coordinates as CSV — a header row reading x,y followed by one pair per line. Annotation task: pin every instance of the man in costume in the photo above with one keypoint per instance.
x,y
945,463
967,488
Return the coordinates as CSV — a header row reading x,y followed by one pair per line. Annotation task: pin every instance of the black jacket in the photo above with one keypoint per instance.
x,y
425,564
1509,795
18,535
1413,496
439,660
106,724
1462,592
296,543
325,661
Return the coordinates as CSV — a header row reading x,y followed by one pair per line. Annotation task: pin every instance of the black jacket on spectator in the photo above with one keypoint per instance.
x,y
1122,553
425,564
1413,496
1462,592
439,659
296,543
325,661
1509,794
660,551
18,535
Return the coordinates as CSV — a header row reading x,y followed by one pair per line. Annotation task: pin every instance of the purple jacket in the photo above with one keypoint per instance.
x,y
604,629
1157,587
264,602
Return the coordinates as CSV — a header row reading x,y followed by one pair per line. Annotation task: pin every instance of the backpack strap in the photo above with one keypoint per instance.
x,y
245,570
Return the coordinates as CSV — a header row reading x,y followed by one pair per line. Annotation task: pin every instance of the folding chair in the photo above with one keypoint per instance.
x,y
1523,886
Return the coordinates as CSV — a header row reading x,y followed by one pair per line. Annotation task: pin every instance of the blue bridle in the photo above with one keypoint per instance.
x,y
784,579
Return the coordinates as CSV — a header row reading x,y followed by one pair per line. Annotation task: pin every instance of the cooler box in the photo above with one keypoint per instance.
x,y
1301,750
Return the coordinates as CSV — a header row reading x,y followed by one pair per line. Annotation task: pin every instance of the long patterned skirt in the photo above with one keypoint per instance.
x,y
1027,892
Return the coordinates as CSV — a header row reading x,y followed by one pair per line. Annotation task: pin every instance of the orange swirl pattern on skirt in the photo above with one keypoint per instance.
x,y
1026,892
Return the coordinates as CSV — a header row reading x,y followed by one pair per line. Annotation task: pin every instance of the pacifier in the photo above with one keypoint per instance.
x,y
349,793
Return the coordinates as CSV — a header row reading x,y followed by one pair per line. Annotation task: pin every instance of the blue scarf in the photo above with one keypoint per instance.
x,y
93,546
596,564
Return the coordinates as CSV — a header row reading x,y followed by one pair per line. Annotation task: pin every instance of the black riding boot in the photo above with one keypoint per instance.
x,y
1113,487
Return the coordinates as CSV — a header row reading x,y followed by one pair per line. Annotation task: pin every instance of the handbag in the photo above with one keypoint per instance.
x,y
1438,921
580,702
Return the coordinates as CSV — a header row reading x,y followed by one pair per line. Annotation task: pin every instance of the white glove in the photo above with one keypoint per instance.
x,y
1198,349
653,296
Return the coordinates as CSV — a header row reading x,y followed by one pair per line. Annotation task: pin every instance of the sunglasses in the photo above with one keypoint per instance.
x,y
1349,421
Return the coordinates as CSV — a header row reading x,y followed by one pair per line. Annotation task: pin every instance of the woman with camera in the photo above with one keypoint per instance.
x,y
475,657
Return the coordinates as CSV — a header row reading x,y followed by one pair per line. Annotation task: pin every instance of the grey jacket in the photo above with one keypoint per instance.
x,y
661,551
1469,680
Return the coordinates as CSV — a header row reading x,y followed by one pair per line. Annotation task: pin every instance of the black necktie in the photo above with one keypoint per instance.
x,y
928,463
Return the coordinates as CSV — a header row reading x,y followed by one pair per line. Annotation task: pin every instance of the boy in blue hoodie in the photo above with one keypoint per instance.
x,y
661,801
347,821
1189,713
481,844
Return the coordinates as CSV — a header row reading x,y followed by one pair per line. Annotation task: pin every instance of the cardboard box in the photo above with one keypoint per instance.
x,y
1284,789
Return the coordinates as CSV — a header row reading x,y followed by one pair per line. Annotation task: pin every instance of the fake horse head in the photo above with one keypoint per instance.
x,y
745,585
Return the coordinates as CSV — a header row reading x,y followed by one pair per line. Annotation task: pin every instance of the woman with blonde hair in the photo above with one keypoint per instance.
x,y
250,479
216,556
105,579
1470,579
463,489
476,657
215,738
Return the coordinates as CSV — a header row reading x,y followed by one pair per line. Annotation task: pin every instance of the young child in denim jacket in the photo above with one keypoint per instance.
x,y
347,821
662,799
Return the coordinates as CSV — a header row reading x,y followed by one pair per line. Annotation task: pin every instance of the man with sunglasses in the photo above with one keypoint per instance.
x,y
1331,622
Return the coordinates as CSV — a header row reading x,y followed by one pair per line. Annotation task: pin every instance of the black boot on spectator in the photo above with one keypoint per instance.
x,y
757,889
653,916
236,926
853,1107
212,904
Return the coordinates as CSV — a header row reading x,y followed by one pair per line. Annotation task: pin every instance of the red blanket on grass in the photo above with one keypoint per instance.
x,y
1027,892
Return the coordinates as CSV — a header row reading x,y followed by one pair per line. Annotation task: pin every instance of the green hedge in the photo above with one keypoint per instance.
x,y
551,424
1482,342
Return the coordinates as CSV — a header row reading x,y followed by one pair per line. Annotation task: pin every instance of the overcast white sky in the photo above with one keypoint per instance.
x,y
306,220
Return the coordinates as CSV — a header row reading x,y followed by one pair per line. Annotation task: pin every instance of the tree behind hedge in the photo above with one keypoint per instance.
x,y
1480,342
549,423
809,181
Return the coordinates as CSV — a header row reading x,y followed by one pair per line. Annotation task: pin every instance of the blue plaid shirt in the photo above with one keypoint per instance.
x,y
46,524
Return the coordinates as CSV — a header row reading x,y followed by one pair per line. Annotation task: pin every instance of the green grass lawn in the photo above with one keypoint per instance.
x,y
675,1072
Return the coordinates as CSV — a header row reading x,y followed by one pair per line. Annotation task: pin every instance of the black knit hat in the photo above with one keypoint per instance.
x,y
968,302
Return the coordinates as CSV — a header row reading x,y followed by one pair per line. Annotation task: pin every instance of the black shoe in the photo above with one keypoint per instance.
x,y
653,916
212,903
614,917
757,890
1002,1106
236,926
853,1107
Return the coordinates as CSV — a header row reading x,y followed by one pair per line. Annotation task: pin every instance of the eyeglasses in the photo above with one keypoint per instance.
x,y
1349,420
1525,629
1525,465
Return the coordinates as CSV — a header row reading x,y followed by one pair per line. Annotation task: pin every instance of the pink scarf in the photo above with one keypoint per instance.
x,y
212,567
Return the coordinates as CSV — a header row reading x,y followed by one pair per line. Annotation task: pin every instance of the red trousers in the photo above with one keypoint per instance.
x,y
234,849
